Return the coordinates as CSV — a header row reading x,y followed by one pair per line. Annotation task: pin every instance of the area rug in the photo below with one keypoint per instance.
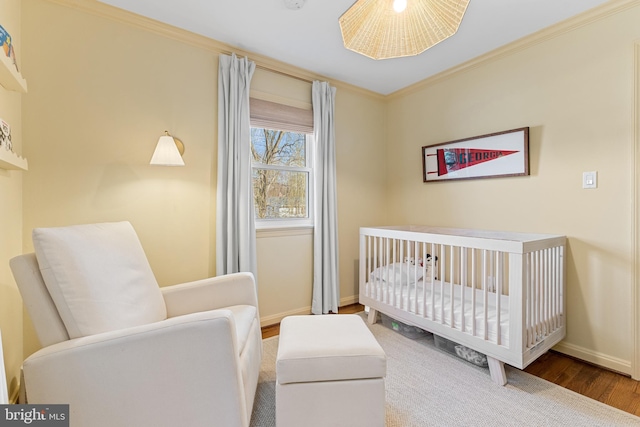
x,y
428,387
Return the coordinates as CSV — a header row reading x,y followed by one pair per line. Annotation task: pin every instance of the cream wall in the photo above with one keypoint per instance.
x,y
100,95
97,104
574,89
11,214
362,175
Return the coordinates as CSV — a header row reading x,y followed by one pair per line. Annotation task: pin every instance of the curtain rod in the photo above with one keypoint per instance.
x,y
262,67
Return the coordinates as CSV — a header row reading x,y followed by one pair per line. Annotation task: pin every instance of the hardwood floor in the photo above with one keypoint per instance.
x,y
608,387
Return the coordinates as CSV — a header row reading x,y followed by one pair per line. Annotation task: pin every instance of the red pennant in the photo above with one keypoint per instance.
x,y
453,159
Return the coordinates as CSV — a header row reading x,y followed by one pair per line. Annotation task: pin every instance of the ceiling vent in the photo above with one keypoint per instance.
x,y
294,4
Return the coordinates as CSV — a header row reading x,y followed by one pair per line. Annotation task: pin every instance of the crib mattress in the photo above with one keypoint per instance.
x,y
433,302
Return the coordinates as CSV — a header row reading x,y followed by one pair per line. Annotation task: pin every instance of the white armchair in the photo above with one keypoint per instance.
x,y
123,352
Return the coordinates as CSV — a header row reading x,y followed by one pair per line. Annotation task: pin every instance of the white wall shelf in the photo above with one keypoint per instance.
x,y
10,78
10,160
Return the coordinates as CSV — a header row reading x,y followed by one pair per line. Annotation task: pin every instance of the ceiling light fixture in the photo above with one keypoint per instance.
x,y
381,29
399,5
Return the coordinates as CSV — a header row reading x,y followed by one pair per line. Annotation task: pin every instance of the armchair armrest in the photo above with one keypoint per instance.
x,y
180,371
210,294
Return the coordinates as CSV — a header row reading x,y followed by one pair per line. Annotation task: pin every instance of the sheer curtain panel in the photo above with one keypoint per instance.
x,y
326,285
235,227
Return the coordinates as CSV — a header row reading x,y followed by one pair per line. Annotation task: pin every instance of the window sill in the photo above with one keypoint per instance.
x,y
298,230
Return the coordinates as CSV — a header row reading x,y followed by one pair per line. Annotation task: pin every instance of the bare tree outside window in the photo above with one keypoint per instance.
x,y
280,174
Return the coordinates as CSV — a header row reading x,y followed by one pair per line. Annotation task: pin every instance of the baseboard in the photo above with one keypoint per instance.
x,y
597,358
277,318
348,300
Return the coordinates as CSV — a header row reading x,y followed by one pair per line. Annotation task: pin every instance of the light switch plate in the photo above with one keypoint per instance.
x,y
590,179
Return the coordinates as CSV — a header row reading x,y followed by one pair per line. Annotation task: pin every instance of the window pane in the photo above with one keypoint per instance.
x,y
277,147
280,194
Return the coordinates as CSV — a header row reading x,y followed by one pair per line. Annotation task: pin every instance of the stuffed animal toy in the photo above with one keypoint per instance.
x,y
412,261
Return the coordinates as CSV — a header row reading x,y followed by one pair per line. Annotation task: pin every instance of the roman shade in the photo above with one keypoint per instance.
x,y
272,115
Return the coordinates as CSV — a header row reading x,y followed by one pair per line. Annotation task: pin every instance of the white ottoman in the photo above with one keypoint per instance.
x,y
329,372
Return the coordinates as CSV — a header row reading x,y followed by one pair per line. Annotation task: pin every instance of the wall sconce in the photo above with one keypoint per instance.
x,y
168,151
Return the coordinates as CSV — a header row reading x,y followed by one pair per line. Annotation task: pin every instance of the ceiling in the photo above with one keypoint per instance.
x,y
310,37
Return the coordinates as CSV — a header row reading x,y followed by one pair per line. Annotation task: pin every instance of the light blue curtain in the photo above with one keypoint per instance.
x,y
235,227
326,284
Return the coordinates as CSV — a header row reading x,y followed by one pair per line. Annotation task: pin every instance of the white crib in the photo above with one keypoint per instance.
x,y
508,288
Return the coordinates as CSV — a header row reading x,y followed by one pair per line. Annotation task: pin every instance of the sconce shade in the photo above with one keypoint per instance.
x,y
166,153
372,27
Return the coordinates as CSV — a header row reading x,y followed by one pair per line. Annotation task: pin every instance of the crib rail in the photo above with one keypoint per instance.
x,y
504,289
544,294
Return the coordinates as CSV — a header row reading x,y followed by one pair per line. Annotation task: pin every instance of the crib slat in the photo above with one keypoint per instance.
x,y
393,272
544,285
537,298
403,270
415,276
433,283
541,327
374,265
485,296
425,279
407,270
547,293
498,291
451,280
463,287
561,277
529,301
474,274
443,264
385,247
552,284
368,264
381,265
555,288
534,298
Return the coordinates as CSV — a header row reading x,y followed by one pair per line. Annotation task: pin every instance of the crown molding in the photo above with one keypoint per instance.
x,y
603,11
112,13
103,10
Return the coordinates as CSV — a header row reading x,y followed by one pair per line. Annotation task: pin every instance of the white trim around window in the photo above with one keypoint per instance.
x,y
292,223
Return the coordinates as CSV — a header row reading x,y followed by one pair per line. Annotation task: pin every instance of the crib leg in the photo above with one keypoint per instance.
x,y
373,316
496,369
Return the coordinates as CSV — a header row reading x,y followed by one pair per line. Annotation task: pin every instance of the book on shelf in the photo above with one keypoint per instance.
x,y
5,136
7,46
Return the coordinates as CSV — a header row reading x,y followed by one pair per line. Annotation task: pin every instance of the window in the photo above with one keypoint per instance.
x,y
282,177
282,171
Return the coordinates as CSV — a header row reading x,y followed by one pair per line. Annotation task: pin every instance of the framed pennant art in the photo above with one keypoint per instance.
x,y
498,154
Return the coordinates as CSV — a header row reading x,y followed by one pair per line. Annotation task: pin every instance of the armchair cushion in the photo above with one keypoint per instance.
x,y
244,317
98,277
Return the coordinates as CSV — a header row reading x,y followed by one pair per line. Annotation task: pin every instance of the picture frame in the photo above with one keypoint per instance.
x,y
500,154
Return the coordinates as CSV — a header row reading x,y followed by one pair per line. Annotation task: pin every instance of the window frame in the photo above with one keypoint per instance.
x,y
289,223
